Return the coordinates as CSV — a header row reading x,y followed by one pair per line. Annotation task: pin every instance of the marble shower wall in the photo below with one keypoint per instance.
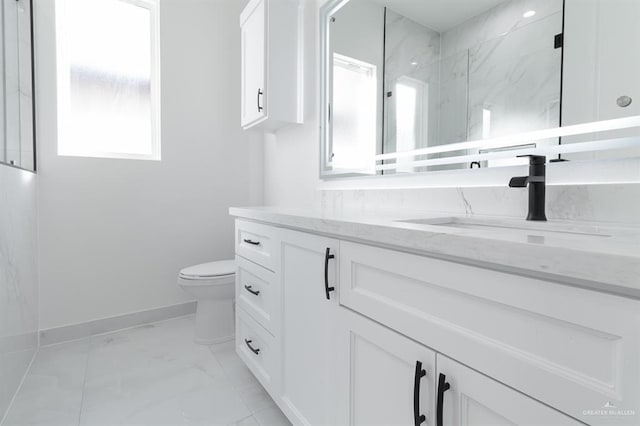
x,y
516,77
499,61
497,22
513,70
18,279
412,57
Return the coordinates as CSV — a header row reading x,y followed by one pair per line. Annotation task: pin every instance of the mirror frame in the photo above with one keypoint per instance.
x,y
33,96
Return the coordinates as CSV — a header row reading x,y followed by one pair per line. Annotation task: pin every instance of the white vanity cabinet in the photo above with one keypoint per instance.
x,y
389,379
258,301
468,398
271,74
362,335
576,350
385,378
309,315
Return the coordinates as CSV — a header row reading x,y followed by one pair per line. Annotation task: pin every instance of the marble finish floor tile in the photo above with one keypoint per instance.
x,y
271,417
148,375
52,390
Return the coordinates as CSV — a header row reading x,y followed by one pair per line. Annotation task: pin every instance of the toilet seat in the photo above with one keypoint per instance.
x,y
209,270
212,285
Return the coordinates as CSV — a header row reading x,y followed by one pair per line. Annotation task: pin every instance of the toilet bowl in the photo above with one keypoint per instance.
x,y
213,286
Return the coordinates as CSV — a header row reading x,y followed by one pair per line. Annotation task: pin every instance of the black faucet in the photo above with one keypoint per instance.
x,y
537,186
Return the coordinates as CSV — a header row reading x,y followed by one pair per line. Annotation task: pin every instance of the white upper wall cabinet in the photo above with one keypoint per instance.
x,y
271,81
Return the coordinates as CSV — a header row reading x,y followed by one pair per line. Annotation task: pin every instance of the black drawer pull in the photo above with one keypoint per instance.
x,y
251,348
327,289
260,93
443,386
418,418
249,289
253,243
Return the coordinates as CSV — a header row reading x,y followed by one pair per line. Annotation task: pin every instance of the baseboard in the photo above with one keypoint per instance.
x,y
78,331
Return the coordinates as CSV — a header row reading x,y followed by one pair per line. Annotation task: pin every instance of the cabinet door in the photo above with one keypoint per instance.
x,y
253,52
308,380
387,379
471,399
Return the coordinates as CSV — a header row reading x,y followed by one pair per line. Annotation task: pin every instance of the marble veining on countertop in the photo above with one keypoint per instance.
x,y
599,256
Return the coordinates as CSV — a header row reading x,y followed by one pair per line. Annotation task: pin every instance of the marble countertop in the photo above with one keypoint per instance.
x,y
598,256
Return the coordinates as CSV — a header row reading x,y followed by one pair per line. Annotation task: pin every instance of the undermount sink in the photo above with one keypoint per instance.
x,y
510,225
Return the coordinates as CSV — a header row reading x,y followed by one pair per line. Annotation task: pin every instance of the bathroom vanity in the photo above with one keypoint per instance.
x,y
456,320
439,320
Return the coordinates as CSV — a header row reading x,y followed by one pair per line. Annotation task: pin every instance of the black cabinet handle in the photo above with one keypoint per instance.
x,y
249,289
260,93
251,348
443,386
327,289
418,418
254,243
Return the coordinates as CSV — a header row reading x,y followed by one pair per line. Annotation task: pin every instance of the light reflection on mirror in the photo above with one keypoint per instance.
x,y
412,98
354,114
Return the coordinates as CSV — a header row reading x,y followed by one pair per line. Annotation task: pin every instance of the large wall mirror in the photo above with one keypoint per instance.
x,y
412,86
17,147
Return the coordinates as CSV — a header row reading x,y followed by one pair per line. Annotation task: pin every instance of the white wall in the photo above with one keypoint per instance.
x,y
18,279
291,156
115,233
291,174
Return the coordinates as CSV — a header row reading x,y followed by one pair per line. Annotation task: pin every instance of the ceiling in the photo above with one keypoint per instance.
x,y
440,15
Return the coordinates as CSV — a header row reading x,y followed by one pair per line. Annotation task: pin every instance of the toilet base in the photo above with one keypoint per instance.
x,y
214,321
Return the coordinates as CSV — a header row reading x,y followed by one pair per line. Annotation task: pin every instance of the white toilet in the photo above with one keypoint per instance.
x,y
213,286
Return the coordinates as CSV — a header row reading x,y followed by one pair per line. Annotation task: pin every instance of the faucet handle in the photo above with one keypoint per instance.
x,y
535,160
519,182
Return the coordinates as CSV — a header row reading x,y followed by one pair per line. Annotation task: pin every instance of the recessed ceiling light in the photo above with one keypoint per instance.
x,y
529,14
414,63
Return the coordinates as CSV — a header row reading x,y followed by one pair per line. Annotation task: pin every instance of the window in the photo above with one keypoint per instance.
x,y
354,114
108,78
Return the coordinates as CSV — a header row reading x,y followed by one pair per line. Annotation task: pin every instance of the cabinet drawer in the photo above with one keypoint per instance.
x,y
257,292
257,348
257,243
574,349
